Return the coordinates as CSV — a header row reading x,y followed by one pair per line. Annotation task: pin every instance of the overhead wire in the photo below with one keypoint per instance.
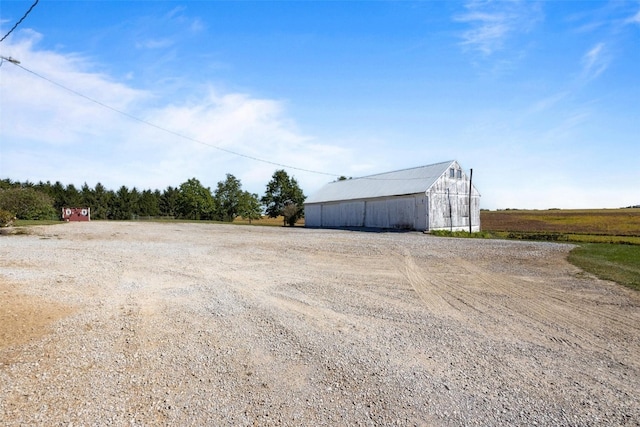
x,y
188,138
20,21
179,135
169,131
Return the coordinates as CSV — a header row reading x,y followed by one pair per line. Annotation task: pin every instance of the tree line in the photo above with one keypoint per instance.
x,y
190,200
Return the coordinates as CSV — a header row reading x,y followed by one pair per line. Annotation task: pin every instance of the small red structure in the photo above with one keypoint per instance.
x,y
76,214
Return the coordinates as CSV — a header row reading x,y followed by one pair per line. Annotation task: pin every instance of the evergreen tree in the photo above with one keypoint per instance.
x,y
103,199
169,202
72,197
134,202
121,206
149,204
88,198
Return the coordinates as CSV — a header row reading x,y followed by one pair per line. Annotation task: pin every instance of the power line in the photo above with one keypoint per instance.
x,y
188,138
20,21
179,135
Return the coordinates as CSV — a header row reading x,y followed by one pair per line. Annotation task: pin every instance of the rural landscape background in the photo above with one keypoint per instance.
x,y
184,302
609,238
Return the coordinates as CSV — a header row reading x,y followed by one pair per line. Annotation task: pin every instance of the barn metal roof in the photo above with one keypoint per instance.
x,y
406,181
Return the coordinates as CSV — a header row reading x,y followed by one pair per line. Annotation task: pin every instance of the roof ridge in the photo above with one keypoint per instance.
x,y
403,170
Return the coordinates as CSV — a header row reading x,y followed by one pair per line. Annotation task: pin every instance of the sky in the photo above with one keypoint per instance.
x,y
540,99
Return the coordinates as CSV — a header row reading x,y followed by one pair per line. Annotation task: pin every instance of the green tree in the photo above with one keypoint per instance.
x,y
88,198
250,207
122,205
195,201
72,197
169,202
283,191
149,203
57,191
27,203
102,199
134,202
228,197
7,183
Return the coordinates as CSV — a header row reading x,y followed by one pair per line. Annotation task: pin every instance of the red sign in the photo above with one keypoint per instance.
x,y
76,214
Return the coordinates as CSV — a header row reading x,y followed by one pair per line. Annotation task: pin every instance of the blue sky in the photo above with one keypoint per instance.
x,y
541,99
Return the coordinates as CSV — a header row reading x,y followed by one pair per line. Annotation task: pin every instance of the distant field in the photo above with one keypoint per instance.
x,y
588,225
594,229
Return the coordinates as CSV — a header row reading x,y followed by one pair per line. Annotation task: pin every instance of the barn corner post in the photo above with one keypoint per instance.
x,y
470,190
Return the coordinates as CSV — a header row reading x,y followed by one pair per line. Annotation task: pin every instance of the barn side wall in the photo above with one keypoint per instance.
x,y
399,212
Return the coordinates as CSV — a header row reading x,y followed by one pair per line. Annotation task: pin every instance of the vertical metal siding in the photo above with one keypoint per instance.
x,y
313,215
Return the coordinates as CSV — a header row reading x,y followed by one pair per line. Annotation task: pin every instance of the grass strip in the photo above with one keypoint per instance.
x,y
619,263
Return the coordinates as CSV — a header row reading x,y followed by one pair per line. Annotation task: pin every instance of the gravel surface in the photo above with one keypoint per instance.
x,y
108,323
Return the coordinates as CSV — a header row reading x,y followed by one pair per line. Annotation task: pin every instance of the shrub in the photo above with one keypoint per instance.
x,y
27,203
6,218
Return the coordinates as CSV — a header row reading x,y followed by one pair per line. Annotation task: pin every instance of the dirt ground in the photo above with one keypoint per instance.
x,y
121,323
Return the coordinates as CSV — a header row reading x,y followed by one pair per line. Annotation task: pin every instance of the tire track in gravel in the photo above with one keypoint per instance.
x,y
441,296
571,321
436,282
628,320
525,308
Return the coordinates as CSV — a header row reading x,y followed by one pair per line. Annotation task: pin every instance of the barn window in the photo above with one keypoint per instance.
x,y
452,173
459,173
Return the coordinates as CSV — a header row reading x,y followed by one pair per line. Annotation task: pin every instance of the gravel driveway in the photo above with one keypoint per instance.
x,y
122,323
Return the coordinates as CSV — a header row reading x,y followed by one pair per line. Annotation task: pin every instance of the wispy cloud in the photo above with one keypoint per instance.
x,y
492,23
155,43
595,61
635,19
548,103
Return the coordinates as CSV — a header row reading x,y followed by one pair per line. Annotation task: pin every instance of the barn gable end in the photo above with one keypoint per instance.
x,y
424,198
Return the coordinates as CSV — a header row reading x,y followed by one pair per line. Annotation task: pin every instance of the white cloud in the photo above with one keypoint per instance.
x,y
491,24
49,133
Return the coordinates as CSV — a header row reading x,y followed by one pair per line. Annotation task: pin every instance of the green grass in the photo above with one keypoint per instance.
x,y
30,222
464,234
619,263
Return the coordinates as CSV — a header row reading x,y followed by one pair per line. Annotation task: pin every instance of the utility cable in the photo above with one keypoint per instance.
x,y
179,135
20,21
188,138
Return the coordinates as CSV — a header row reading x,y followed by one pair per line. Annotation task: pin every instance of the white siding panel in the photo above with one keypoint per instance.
x,y
401,213
377,215
313,215
421,213
352,214
331,215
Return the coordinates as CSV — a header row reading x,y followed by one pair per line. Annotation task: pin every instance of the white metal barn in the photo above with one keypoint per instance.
x,y
433,197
